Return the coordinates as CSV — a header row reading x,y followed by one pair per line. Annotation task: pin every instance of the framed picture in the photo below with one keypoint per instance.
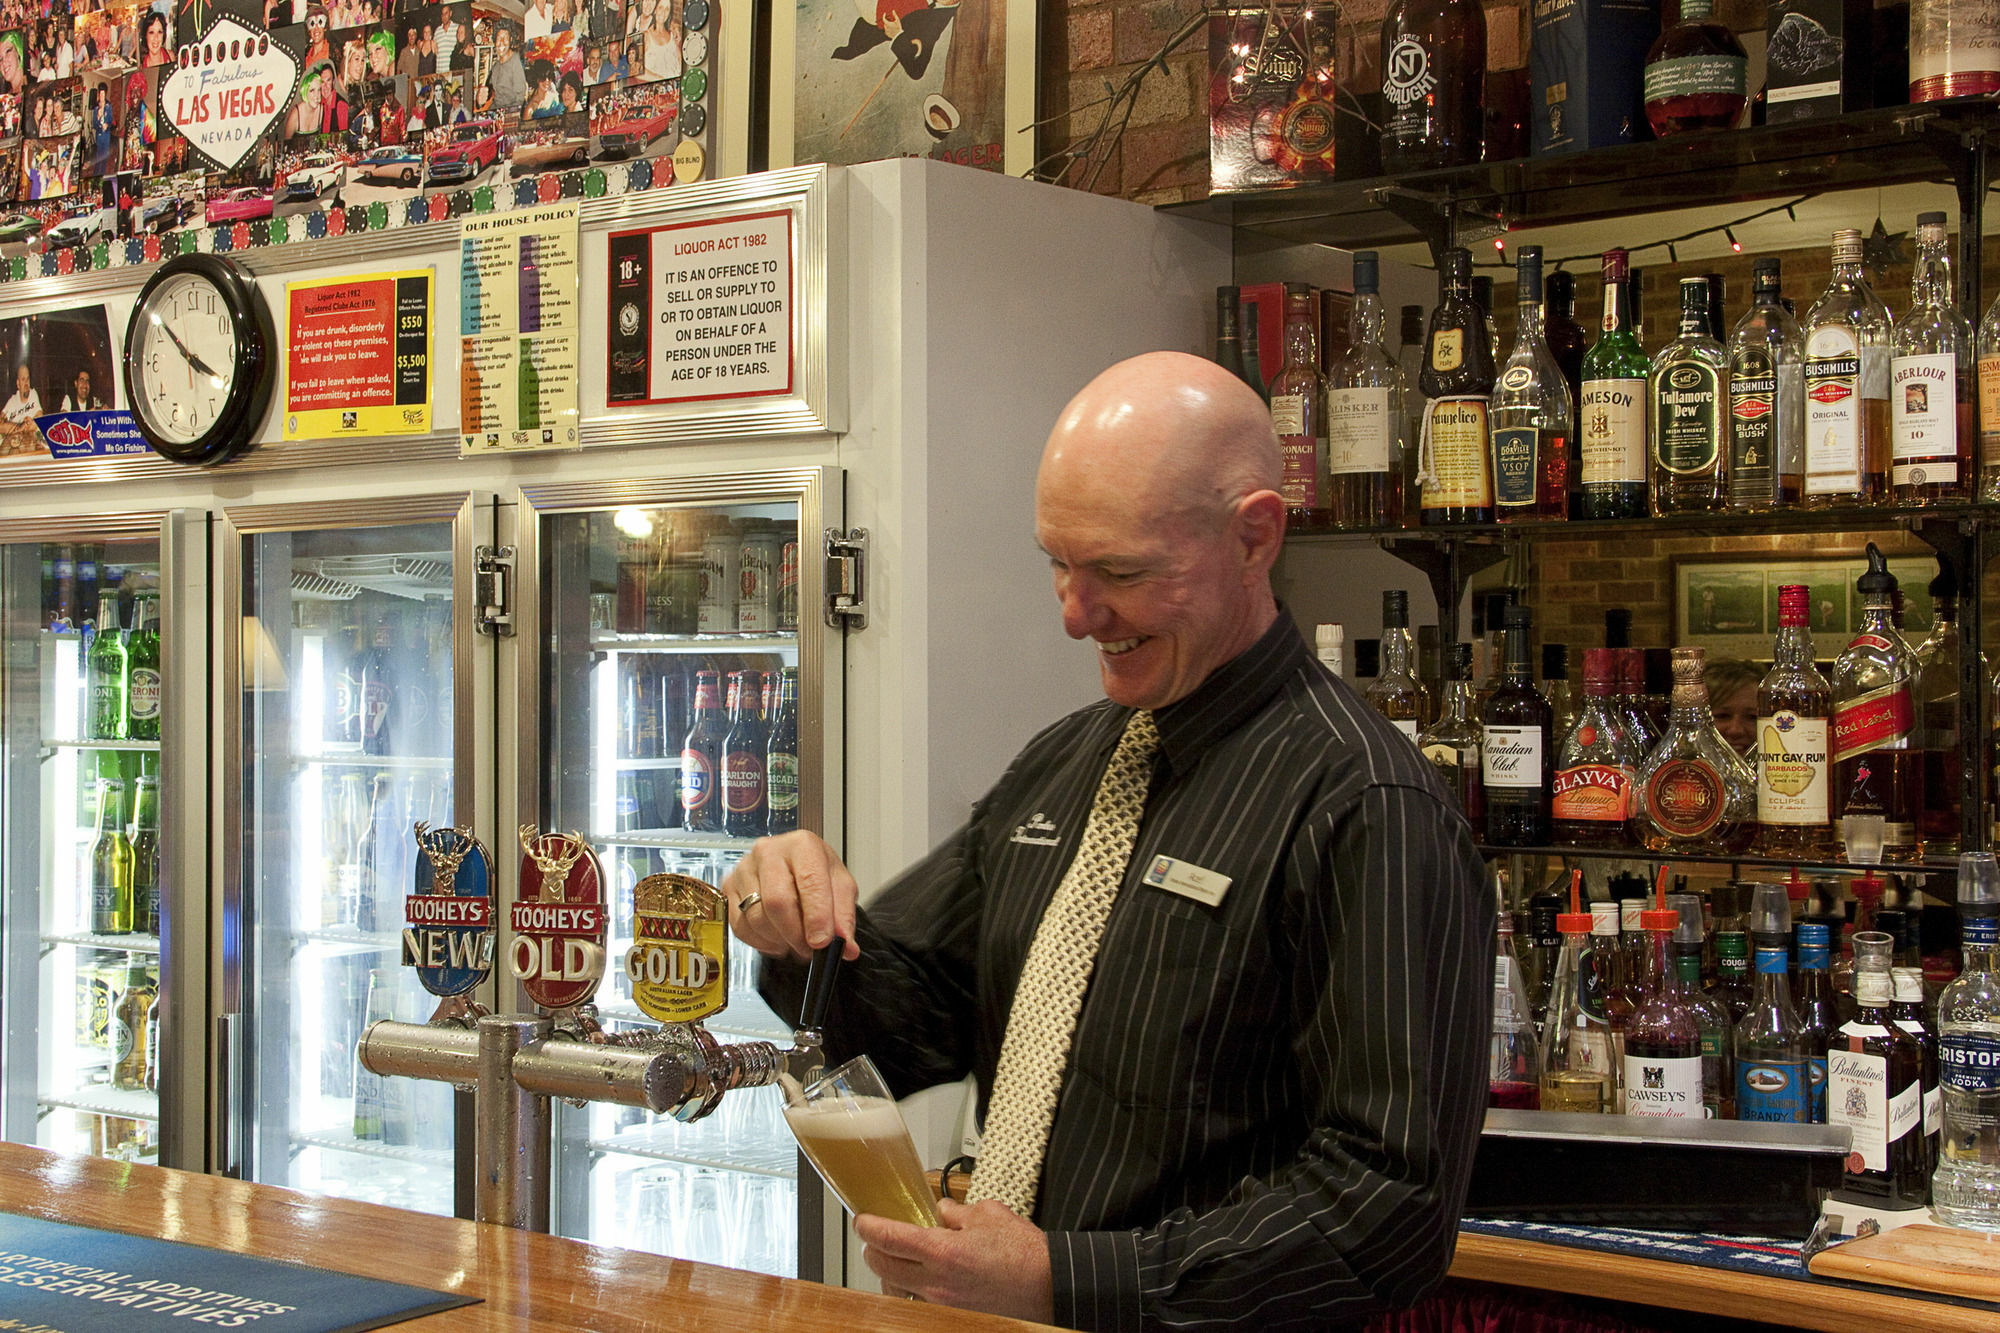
x,y
1730,606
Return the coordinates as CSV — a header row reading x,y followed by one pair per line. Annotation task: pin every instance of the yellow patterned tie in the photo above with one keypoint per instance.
x,y
1042,1022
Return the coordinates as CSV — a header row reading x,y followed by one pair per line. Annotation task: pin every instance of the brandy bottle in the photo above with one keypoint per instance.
x,y
1455,471
1696,794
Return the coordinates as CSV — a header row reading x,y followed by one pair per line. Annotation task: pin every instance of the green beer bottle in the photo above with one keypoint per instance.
x,y
142,668
104,675
110,864
146,856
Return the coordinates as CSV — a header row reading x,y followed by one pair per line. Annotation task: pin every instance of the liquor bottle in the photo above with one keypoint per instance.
x,y
1772,1082
142,667
1592,805
1954,49
1564,335
110,864
1931,380
781,758
701,758
1906,1007
1989,409
1542,947
1482,296
1454,741
1965,1191
368,886
1718,1078
1253,351
1330,646
1794,713
1637,975
1364,415
1818,1019
130,1069
1767,400
1605,993
1518,753
1936,696
1514,1066
88,561
379,724
1718,327
1696,794
1696,74
1397,694
1433,76
1565,701
104,671
1732,986
1229,333
1663,1065
743,751
1877,768
1847,386
145,843
1532,413
1297,413
1455,471
68,616
1684,404
1874,1086
1410,360
1579,1059
1611,411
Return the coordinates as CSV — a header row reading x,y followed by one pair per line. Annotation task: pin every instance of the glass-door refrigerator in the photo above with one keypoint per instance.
x,y
352,692
680,692
98,615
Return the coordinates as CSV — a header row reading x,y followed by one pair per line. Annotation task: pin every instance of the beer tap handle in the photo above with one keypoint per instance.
x,y
819,985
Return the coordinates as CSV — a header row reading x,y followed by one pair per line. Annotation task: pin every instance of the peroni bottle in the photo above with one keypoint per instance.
x,y
1519,756
105,673
142,668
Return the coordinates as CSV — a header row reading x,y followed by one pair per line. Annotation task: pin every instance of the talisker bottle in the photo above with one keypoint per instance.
x,y
1877,767
701,759
1454,469
1433,74
1519,756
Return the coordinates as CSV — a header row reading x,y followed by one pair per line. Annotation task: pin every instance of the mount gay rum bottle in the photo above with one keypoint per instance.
x,y
1794,715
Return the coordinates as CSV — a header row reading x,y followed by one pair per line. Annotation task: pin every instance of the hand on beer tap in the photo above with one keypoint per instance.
x,y
800,896
983,1257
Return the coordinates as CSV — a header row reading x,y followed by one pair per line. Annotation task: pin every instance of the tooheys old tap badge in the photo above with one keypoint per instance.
x,y
449,939
558,953
679,959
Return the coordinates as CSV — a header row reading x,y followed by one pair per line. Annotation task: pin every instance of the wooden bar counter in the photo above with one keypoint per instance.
x,y
527,1283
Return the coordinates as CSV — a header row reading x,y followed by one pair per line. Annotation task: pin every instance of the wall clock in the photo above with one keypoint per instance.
x,y
201,357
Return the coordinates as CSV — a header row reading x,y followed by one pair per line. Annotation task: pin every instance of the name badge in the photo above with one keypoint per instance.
x,y
1188,880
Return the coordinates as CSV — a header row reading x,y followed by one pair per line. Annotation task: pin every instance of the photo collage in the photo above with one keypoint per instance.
x,y
394,100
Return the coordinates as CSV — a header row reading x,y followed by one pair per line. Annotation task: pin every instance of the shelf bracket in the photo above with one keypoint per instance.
x,y
1449,563
1443,221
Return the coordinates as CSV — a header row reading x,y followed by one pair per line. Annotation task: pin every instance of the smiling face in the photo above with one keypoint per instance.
x,y
22,383
81,388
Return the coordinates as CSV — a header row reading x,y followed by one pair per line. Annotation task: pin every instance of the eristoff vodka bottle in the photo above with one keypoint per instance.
x,y
1965,1192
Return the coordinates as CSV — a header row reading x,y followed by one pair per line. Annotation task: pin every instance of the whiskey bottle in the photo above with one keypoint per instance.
x,y
1931,380
1532,413
1229,332
1847,386
1989,403
1906,1007
1772,1082
1592,806
1718,288
1453,742
1433,71
1564,701
1611,411
1954,49
1767,396
1568,344
1684,393
1518,755
1966,1187
1296,414
1874,1086
1455,471
1579,1061
1696,794
1877,767
1397,694
1697,74
1364,415
1936,697
1663,1040
1794,713
1718,1076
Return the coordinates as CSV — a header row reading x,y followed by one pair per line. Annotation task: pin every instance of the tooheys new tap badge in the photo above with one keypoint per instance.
x,y
558,953
679,959
449,939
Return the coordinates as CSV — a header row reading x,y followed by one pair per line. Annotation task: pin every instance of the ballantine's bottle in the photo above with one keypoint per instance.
x,y
1874,1086
1794,711
1877,768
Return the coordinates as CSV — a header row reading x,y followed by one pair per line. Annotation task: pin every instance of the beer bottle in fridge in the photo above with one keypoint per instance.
x,y
781,758
378,691
743,759
105,672
110,864
701,758
131,1067
675,718
146,855
142,668
65,615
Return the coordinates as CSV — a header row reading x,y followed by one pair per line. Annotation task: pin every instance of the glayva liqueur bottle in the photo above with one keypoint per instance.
x,y
1455,469
1877,767
1594,768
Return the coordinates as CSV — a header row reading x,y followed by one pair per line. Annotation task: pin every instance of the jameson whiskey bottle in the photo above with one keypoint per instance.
x,y
1874,1086
1767,396
1877,767
1455,471
1931,380
1296,414
1592,806
1519,755
1397,694
1611,412
1696,74
1847,386
1453,742
1794,714
1684,392
1364,415
1433,74
1696,794
1532,413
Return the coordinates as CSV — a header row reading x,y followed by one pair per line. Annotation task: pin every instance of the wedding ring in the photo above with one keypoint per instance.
x,y
750,900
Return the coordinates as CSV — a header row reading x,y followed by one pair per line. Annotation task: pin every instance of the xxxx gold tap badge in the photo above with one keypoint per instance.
x,y
679,959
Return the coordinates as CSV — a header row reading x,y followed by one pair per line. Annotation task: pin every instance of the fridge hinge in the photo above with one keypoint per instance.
x,y
847,578
493,591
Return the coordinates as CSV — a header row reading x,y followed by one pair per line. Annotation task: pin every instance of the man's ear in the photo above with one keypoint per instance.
x,y
1260,519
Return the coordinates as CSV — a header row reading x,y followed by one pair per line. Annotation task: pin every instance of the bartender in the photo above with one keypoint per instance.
x,y
1215,948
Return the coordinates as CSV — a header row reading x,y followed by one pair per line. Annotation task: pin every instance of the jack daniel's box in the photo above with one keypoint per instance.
x,y
1816,60
1271,111
1586,64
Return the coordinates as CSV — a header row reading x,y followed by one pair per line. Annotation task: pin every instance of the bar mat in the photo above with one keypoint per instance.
x,y
58,1278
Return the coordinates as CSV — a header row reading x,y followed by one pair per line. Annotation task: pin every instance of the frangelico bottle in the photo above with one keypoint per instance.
x,y
1519,757
1847,386
1433,76
1766,400
1455,472
1684,394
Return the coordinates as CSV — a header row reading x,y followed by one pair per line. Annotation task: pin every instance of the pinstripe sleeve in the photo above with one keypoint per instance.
x,y
1390,993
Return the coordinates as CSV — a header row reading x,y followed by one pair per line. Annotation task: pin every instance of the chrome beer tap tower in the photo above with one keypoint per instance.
x,y
514,1063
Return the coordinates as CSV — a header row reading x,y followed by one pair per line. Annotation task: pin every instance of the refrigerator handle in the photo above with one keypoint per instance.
x,y
227,1037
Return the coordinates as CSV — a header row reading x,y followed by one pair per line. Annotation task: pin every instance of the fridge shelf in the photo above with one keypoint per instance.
x,y
681,839
693,643
422,763
349,937
105,1100
395,1152
132,943
143,747
655,762
669,1141
342,578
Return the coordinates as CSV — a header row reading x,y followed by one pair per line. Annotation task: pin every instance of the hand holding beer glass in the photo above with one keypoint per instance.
x,y
849,1128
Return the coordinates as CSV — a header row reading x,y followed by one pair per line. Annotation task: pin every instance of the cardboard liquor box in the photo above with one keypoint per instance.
x,y
1817,60
1586,68
1271,116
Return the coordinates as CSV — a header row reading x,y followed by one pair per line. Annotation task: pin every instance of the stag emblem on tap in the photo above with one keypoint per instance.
x,y
558,951
449,935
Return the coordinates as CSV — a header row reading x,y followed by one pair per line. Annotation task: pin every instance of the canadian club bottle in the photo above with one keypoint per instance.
x,y
1696,74
701,758
1397,694
1847,386
1931,380
1594,767
1794,712
1696,794
1433,74
1364,415
1455,471
1877,767
1297,413
1684,393
1453,742
1611,414
1532,413
1519,758
1874,1086
1767,395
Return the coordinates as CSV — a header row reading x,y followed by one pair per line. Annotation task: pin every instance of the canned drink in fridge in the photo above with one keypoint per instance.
x,y
757,600
715,612
788,587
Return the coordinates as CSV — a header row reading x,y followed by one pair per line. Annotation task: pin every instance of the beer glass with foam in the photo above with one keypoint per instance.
x,y
849,1127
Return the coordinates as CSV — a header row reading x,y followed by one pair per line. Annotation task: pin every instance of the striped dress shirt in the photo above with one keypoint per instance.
x,y
1271,1104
